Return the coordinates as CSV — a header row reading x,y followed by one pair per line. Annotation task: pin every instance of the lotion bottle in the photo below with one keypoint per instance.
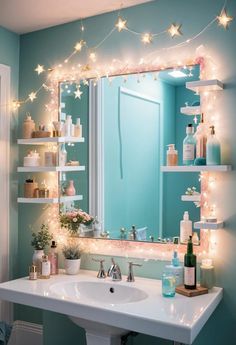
x,y
189,146
68,126
45,268
176,269
185,228
53,258
201,139
62,155
78,128
171,155
213,149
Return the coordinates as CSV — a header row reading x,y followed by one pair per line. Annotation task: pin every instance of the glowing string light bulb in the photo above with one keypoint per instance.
x,y
174,30
146,38
121,24
78,93
39,69
32,96
93,57
224,20
79,45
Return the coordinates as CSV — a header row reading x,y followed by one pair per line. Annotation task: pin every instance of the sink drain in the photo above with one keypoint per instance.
x,y
112,290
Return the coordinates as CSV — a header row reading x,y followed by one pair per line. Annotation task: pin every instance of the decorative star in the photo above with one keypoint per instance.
x,y
32,96
79,45
224,20
85,82
174,30
39,69
121,24
147,38
78,93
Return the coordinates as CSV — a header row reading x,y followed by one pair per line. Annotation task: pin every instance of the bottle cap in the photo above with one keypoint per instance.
x,y
190,129
53,244
186,215
212,130
171,147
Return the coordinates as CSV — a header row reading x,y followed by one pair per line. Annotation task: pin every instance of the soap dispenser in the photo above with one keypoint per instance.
x,y
176,269
171,155
185,228
189,146
213,149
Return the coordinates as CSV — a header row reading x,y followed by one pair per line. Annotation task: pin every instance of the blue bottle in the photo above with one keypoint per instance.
x,y
189,146
213,149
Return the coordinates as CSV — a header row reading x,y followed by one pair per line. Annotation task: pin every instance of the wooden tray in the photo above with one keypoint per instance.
x,y
191,293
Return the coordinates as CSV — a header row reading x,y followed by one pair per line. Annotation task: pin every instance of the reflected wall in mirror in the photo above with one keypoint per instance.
x,y
131,121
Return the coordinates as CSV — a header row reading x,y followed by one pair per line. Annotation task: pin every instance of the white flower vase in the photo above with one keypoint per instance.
x,y
72,266
36,260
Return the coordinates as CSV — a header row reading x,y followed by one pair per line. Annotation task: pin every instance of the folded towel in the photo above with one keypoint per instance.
x,y
5,331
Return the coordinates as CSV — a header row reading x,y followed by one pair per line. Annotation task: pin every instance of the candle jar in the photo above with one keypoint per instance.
x,y
168,284
207,275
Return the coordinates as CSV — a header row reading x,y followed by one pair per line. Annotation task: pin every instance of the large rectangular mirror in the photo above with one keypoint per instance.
x,y
128,121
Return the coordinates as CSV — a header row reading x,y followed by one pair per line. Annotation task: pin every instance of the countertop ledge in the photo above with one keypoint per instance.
x,y
180,318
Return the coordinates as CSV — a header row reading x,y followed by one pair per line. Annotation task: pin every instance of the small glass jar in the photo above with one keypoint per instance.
x,y
168,284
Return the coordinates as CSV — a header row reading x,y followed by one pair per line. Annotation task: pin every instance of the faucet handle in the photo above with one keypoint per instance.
x,y
101,272
111,268
130,277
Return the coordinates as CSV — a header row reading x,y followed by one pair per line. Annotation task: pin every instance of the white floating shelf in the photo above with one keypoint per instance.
x,y
196,168
51,169
62,199
208,225
194,110
43,141
194,198
205,85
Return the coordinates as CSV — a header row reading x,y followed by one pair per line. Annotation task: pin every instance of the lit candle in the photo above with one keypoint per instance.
x,y
207,276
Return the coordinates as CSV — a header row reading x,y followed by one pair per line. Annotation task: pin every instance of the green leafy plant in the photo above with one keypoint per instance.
x,y
71,252
42,238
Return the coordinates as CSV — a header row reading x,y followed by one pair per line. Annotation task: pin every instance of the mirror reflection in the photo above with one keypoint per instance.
x,y
127,123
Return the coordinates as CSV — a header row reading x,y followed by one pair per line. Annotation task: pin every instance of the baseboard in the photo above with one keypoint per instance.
x,y
26,333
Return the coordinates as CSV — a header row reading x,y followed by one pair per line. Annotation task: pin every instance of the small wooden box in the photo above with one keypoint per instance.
x,y
191,293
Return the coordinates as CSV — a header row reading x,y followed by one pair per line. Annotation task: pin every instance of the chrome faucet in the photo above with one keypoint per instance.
x,y
101,273
130,277
114,271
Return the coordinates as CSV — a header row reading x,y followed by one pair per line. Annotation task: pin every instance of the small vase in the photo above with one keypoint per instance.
x,y
36,260
70,190
72,266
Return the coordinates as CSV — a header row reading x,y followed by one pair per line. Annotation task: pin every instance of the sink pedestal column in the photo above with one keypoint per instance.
x,y
97,339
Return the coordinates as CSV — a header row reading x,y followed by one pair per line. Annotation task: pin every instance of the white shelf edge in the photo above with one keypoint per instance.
x,y
196,168
207,225
43,141
50,200
51,169
191,110
194,198
205,85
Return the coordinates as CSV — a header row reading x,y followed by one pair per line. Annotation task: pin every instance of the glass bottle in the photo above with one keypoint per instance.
x,y
190,267
189,146
53,258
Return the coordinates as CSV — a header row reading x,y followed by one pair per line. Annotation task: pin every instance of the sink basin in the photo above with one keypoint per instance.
x,y
101,292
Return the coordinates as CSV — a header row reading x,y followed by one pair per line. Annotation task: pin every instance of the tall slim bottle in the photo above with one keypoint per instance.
x,y
189,146
190,267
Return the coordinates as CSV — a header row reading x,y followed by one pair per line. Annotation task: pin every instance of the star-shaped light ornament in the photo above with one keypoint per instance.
x,y
78,93
174,30
32,96
79,45
224,20
39,69
121,24
147,38
93,57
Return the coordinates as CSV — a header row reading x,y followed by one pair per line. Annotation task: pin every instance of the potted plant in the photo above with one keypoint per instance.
x,y
39,241
72,220
72,256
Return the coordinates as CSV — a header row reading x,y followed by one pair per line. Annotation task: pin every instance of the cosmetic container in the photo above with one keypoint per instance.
x,y
168,284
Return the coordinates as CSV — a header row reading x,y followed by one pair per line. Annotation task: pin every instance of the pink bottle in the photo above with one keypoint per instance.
x,y
70,190
53,258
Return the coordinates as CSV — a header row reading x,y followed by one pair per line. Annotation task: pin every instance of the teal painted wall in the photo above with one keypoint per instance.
x,y
53,45
9,55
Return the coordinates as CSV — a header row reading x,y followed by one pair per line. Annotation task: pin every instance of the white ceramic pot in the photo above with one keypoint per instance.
x,y
36,260
72,266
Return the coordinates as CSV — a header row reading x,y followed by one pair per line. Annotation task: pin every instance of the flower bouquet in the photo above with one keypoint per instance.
x,y
71,220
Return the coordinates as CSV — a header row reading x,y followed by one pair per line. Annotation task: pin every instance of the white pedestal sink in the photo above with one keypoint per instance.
x,y
107,293
109,309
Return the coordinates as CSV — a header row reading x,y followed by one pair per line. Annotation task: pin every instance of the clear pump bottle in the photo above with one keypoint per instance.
x,y
213,149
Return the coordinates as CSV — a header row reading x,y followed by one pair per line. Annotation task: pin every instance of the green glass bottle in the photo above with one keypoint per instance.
x,y
190,267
